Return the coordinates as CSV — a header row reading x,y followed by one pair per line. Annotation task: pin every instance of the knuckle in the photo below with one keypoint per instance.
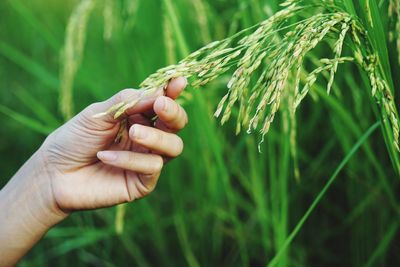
x,y
176,111
94,105
177,120
124,94
158,137
129,196
173,112
92,109
119,96
144,187
131,158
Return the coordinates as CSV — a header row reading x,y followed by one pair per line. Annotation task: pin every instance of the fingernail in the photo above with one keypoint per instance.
x,y
107,155
138,131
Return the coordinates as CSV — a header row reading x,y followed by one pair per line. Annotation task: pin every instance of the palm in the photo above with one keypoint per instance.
x,y
80,178
86,178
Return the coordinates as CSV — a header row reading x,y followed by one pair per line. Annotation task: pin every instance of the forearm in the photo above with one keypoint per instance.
x,y
26,211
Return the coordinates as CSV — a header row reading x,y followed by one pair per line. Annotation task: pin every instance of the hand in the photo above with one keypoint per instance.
x,y
80,167
81,177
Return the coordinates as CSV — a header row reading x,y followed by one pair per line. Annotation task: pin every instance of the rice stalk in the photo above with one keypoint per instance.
x,y
118,16
275,260
72,53
202,20
129,10
291,128
109,18
170,46
119,221
271,53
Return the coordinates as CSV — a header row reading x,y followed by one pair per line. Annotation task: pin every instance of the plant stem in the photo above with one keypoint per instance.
x,y
321,194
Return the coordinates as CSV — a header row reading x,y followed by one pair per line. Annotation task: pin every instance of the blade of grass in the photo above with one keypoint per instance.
x,y
377,36
257,174
348,120
26,121
321,194
383,245
184,50
38,108
29,65
32,20
349,6
182,235
90,237
172,15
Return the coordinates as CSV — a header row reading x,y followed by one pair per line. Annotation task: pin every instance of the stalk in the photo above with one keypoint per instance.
x,y
272,61
321,194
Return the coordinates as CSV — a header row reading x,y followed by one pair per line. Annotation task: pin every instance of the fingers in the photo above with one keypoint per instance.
x,y
167,144
139,119
144,185
175,87
147,164
170,114
112,104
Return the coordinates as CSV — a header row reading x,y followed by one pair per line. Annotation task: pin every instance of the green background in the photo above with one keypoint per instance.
x,y
222,203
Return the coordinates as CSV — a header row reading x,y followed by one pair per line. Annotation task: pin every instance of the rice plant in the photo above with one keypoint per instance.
x,y
274,53
314,80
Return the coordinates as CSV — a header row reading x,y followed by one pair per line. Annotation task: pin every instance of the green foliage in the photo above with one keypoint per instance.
x,y
221,203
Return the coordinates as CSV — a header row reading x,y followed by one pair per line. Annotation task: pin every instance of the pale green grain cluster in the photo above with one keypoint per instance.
x,y
383,95
263,61
380,90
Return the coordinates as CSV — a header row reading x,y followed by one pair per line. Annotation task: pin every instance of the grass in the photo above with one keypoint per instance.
x,y
222,203
321,194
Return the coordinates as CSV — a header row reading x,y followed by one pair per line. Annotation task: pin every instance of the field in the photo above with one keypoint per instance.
x,y
320,188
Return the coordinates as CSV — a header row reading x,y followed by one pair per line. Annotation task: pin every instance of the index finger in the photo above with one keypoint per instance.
x,y
173,90
175,87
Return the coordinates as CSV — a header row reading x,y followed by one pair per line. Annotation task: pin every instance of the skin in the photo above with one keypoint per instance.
x,y
80,167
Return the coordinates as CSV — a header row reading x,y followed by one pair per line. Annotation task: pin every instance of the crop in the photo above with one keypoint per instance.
x,y
274,54
314,81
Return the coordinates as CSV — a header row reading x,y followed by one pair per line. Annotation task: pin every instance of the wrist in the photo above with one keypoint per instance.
x,y
41,179
28,197
27,211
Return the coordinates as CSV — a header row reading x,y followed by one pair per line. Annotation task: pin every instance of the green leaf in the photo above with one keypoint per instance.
x,y
376,33
26,121
321,194
29,65
32,20
349,7
38,108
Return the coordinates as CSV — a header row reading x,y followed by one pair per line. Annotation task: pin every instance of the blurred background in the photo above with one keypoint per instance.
x,y
222,203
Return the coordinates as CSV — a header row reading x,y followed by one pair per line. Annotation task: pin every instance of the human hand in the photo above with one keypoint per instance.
x,y
80,167
87,170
